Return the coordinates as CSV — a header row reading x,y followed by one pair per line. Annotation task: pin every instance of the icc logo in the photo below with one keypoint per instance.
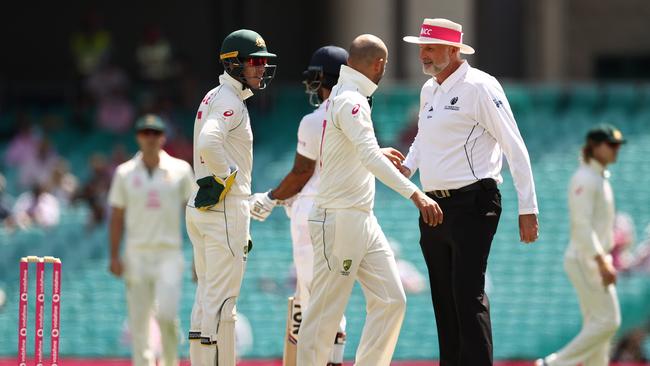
x,y
454,100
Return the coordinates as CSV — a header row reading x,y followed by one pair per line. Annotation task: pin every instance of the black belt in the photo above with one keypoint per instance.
x,y
485,184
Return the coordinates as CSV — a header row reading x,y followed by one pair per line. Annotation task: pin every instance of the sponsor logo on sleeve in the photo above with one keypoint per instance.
x,y
355,109
228,113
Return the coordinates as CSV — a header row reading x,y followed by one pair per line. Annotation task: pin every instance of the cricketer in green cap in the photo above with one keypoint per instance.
x,y
605,133
602,144
150,122
244,57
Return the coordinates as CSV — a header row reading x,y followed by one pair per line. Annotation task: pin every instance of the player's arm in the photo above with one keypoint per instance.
x,y
262,204
210,146
495,115
354,121
295,180
116,231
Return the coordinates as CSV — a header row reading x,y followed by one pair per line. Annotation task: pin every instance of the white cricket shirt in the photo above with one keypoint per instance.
x,y
350,154
465,125
152,203
309,135
591,210
223,139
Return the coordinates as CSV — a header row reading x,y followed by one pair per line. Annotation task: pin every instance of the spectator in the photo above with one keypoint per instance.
x,y
63,184
107,81
37,207
94,192
154,56
90,45
37,168
24,143
5,204
624,239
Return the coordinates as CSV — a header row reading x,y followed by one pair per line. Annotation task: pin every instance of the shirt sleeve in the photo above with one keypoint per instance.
x,y
211,139
581,210
493,112
308,138
117,193
355,122
188,183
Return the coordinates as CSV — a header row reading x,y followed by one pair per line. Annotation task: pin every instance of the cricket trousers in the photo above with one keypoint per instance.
x,y
153,278
601,316
303,258
456,254
348,246
220,238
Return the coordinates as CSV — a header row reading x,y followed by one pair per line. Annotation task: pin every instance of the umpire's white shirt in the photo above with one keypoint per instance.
x,y
223,139
465,125
591,208
350,154
152,203
309,136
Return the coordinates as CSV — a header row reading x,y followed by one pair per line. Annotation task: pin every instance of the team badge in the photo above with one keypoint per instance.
x,y
259,42
346,267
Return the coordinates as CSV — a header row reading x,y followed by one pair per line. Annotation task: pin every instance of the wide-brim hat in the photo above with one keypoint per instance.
x,y
441,31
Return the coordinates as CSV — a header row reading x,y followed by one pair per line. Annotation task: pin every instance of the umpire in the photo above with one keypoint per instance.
x,y
465,125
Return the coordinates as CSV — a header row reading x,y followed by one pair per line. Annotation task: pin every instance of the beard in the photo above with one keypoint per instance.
x,y
434,69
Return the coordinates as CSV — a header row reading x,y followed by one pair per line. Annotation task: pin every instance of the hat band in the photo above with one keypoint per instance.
x,y
445,34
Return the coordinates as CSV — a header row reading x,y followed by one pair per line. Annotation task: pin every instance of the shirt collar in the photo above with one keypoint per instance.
x,y
455,76
598,168
243,93
364,85
162,164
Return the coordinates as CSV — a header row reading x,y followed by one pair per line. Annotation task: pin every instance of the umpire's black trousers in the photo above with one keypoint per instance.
x,y
456,254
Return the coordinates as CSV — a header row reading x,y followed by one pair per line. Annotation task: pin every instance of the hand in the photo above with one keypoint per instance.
x,y
116,267
394,156
528,228
607,270
431,212
261,205
405,171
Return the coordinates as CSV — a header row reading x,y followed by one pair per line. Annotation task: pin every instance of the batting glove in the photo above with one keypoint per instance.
x,y
261,205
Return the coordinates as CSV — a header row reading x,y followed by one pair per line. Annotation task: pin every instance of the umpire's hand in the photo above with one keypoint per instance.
x,y
528,228
429,209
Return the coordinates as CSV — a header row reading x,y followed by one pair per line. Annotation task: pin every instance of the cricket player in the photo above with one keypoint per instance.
x,y
587,259
218,215
348,242
321,75
146,198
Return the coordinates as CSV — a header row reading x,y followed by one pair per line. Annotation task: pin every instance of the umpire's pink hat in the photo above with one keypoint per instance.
x,y
441,31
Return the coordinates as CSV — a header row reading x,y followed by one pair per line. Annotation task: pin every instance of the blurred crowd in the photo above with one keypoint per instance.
x,y
106,99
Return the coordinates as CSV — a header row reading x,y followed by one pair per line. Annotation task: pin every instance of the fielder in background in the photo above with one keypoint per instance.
x,y
217,215
321,75
587,259
146,198
349,244
465,126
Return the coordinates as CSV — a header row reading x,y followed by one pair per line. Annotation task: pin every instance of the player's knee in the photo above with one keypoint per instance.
x,y
229,310
397,303
166,313
610,326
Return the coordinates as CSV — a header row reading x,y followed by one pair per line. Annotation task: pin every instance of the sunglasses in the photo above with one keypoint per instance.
x,y
150,133
256,61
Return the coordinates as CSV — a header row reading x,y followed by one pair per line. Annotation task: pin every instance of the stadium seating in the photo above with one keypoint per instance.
x,y
534,309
